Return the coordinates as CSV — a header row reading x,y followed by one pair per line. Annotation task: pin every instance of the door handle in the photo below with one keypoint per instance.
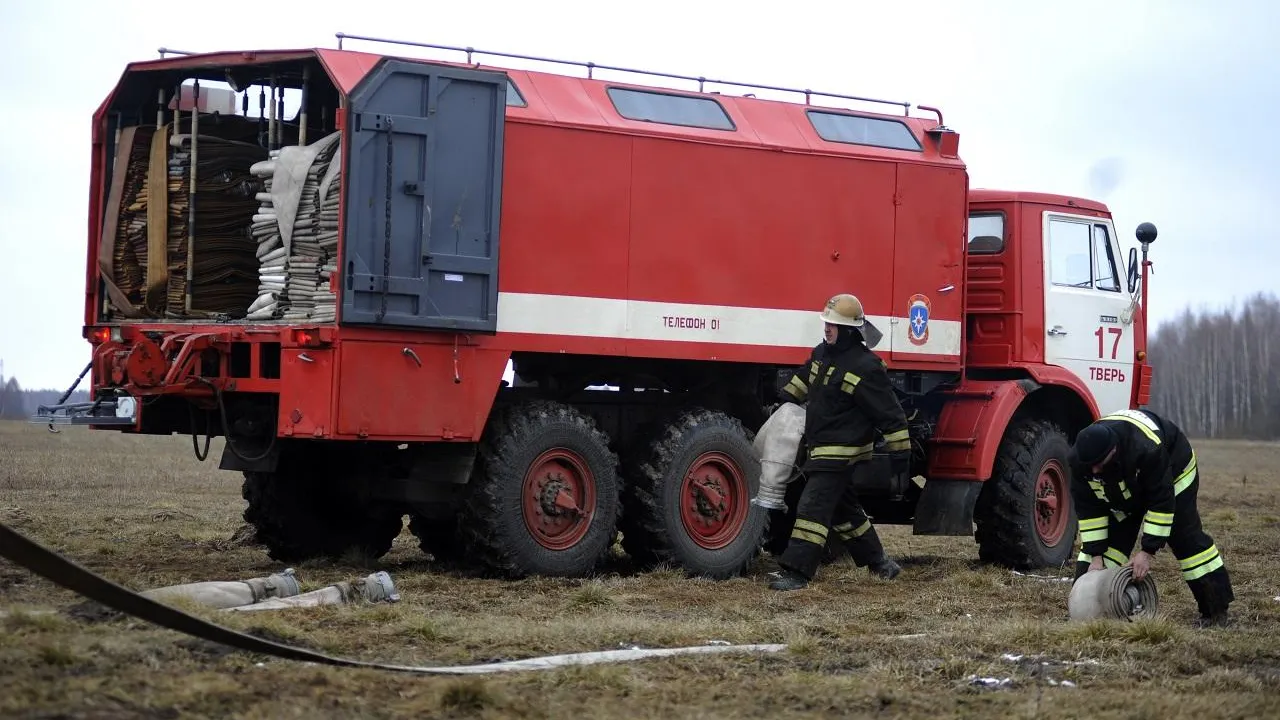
x,y
1057,330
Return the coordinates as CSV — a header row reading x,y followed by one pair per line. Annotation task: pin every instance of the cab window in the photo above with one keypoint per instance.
x,y
986,233
1105,275
1081,256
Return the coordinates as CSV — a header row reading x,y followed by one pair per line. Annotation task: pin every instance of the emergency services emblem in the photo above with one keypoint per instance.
x,y
918,320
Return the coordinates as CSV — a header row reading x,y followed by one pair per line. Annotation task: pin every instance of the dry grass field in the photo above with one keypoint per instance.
x,y
144,513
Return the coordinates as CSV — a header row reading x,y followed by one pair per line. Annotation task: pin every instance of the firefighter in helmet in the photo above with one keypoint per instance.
x,y
849,398
1134,477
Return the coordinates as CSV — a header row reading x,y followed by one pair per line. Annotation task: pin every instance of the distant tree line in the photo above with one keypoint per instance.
x,y
19,404
1215,372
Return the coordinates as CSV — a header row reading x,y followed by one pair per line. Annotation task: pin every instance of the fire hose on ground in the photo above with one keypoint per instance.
x,y
53,567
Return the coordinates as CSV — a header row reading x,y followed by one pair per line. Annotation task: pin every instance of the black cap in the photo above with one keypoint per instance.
x,y
1093,443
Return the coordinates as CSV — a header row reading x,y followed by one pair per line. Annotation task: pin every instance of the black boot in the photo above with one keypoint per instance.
x,y
785,579
885,568
1218,619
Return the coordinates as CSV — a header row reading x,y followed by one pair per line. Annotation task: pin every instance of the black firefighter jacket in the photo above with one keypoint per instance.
x,y
849,397
1154,463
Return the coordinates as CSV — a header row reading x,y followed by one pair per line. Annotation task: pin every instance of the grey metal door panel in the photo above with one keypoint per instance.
x,y
435,264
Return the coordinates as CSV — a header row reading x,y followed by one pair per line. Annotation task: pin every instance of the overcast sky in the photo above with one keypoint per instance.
x,y
1166,110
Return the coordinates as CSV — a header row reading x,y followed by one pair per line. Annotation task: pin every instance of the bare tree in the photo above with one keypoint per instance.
x,y
1213,370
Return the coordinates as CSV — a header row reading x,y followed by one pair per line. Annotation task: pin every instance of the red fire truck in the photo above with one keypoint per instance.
x,y
340,283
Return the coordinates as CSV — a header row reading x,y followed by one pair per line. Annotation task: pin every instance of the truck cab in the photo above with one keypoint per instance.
x,y
1049,291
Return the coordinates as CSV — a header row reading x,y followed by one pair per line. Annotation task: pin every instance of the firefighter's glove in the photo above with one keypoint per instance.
x,y
900,462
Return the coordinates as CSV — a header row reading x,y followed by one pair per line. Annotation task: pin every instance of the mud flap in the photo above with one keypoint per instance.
x,y
946,507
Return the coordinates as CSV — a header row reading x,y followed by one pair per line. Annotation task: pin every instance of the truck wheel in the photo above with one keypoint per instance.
x,y
299,513
544,495
687,497
1025,517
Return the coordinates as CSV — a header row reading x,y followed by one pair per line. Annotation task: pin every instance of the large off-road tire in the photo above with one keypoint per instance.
x,y
308,508
544,494
687,499
1025,517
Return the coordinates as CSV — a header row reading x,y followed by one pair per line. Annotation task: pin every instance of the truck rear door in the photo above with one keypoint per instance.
x,y
424,197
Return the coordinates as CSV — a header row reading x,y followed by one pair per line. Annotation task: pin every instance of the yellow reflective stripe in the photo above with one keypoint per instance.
x,y
1097,523
846,530
1093,535
1119,515
813,372
1155,530
1202,570
1157,524
796,388
811,526
1084,557
806,536
839,452
896,435
1198,558
1188,476
830,371
898,446
1124,490
1098,490
1205,566
1114,558
849,382
1138,420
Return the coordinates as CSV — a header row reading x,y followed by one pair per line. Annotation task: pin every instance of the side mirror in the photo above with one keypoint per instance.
x,y
1133,270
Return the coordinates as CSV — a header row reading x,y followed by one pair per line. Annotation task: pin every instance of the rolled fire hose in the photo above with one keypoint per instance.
x,y
1113,594
377,587
777,443
231,593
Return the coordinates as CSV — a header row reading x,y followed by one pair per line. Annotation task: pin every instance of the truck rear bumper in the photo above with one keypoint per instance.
x,y
119,411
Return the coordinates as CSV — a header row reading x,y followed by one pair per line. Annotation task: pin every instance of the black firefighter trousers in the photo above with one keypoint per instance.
x,y
1198,558
829,495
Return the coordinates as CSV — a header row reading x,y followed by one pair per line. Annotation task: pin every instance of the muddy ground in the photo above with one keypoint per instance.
x,y
144,513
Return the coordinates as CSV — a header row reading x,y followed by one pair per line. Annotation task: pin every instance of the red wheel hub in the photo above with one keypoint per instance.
x,y
1051,498
559,497
713,500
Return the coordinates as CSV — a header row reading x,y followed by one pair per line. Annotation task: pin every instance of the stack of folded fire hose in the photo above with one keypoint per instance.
x,y
277,591
777,443
271,253
223,265
130,248
1113,594
294,246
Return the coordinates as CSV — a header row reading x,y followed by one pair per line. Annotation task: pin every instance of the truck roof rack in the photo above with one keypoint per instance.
x,y
593,66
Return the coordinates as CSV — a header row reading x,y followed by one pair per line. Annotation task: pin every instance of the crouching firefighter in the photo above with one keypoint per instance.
x,y
849,397
1134,473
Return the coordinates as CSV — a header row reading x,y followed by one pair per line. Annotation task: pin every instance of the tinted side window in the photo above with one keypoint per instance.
x,y
986,233
670,109
859,130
